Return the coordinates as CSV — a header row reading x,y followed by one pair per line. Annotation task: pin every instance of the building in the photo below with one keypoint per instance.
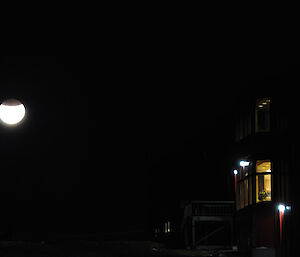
x,y
264,169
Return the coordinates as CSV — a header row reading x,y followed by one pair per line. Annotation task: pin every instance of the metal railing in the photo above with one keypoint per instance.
x,y
212,208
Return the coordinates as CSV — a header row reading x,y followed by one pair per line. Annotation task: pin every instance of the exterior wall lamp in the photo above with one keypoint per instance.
x,y
282,208
235,172
244,163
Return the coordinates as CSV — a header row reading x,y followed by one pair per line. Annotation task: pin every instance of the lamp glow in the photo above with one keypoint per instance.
x,y
281,208
235,172
12,111
244,163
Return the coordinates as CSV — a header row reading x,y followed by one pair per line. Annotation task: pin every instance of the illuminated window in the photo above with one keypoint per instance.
x,y
263,166
262,115
254,185
167,227
263,181
263,188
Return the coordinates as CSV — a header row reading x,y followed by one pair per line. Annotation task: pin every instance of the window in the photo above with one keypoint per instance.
x,y
263,166
167,227
262,115
242,194
243,126
238,201
263,188
263,181
250,190
244,190
254,184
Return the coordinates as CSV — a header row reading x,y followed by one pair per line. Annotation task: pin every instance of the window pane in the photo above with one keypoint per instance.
x,y
242,195
246,191
263,166
250,190
244,172
263,188
262,115
238,206
249,125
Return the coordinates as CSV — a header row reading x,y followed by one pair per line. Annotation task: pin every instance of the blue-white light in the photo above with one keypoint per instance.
x,y
281,207
235,172
244,163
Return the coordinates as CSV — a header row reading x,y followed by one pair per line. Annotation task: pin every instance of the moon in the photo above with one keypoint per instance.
x,y
12,111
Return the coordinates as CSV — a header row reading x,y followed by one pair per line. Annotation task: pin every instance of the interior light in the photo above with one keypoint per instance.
x,y
268,170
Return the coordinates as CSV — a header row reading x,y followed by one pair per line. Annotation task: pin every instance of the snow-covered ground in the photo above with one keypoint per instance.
x,y
100,249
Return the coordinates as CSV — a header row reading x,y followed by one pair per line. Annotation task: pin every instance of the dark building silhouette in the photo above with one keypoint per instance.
x,y
265,164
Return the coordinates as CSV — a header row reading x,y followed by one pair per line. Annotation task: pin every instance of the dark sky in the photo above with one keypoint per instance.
x,y
107,142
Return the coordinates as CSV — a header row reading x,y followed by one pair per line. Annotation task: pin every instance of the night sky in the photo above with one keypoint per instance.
x,y
109,144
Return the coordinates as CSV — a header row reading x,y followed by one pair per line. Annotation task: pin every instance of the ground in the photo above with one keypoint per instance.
x,y
101,249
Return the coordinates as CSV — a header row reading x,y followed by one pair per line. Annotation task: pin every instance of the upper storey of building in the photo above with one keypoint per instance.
x,y
254,119
266,118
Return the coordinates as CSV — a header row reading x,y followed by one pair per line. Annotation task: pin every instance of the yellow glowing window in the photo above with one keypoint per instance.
x,y
263,188
263,166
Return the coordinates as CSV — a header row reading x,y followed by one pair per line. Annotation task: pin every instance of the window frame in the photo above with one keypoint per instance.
x,y
267,114
250,174
244,197
263,174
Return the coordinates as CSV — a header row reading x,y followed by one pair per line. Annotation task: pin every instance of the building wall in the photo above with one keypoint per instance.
x,y
264,225
257,225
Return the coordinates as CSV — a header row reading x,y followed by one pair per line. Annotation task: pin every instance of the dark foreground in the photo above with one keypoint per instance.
x,y
102,249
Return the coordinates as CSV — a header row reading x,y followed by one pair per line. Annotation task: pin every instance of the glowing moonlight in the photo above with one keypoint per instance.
x,y
12,111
